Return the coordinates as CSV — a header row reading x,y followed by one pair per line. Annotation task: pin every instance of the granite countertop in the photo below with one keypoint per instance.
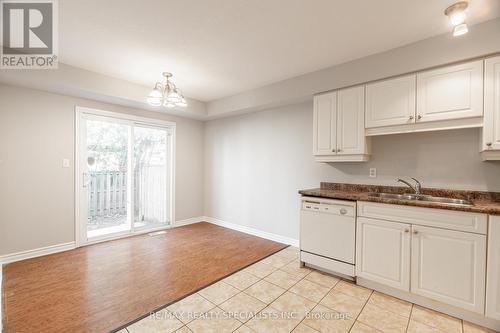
x,y
482,202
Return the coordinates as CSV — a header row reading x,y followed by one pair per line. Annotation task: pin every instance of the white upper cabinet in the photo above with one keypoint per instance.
x,y
391,102
324,124
339,126
490,145
449,266
449,97
350,121
451,92
493,277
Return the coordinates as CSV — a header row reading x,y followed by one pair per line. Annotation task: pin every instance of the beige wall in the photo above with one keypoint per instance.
x,y
255,163
37,194
245,169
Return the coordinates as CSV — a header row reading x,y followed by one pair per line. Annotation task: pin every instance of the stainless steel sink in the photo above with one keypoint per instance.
x,y
393,196
449,201
428,198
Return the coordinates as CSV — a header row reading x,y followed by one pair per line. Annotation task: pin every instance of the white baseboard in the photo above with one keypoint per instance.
x,y
8,258
12,257
188,221
253,231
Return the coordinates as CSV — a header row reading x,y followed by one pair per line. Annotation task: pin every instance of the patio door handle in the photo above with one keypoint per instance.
x,y
85,182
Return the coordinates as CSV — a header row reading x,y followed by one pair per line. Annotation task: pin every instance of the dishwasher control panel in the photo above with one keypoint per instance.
x,y
333,207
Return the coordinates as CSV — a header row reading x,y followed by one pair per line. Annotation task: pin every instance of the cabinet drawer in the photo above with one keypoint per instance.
x,y
440,218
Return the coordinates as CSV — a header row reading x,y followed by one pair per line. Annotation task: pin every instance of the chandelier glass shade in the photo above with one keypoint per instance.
x,y
166,94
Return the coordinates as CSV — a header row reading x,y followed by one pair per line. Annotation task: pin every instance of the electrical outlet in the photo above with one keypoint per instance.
x,y
373,173
65,163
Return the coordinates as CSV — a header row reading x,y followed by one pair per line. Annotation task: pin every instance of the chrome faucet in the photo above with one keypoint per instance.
x,y
417,188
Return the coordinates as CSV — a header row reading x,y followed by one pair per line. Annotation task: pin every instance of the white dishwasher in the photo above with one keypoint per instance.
x,y
328,234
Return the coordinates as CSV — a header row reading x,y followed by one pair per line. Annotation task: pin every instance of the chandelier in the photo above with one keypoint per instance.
x,y
166,94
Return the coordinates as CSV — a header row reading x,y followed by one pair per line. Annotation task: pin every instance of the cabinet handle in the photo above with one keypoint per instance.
x,y
489,144
419,117
333,150
407,230
343,211
339,150
415,232
411,117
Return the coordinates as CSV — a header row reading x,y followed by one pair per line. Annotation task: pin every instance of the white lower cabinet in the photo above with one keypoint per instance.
x,y
449,266
493,276
415,251
383,252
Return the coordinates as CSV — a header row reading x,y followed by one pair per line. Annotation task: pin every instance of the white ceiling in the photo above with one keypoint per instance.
x,y
217,48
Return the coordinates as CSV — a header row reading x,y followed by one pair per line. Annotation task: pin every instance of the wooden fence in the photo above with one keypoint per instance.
x,y
107,195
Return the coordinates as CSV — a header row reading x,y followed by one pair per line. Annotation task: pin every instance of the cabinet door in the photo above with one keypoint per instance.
x,y
451,92
324,124
493,278
383,252
391,102
351,121
491,131
449,266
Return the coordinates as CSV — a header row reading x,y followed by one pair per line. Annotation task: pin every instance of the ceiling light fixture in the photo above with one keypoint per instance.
x,y
166,94
456,13
460,30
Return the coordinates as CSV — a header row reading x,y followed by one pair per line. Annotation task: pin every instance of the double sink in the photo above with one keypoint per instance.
x,y
421,197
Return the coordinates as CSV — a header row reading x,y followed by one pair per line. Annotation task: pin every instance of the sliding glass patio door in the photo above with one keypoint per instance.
x,y
106,173
151,169
125,176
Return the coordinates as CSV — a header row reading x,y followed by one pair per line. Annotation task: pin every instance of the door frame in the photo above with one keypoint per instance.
x,y
80,111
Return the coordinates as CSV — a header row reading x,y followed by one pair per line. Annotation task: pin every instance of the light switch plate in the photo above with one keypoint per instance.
x,y
65,163
373,173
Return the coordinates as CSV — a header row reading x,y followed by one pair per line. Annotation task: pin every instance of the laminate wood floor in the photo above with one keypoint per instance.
x,y
101,287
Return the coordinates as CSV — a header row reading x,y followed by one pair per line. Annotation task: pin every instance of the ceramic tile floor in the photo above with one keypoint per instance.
x,y
276,295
